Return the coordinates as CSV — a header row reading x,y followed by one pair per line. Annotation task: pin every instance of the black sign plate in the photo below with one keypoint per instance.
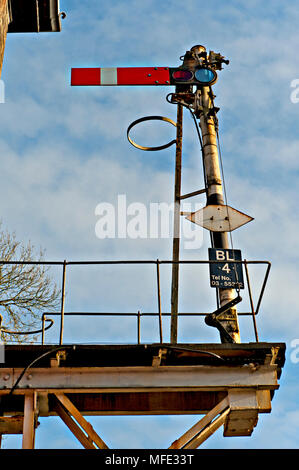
x,y
224,273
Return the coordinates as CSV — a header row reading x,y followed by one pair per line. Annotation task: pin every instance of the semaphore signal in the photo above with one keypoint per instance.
x,y
193,82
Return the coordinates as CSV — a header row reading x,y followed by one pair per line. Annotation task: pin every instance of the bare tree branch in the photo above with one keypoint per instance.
x,y
25,290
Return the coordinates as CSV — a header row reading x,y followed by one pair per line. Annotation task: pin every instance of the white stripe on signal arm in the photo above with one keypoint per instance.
x,y
109,76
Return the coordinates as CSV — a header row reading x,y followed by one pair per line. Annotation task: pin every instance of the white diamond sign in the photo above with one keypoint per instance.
x,y
219,218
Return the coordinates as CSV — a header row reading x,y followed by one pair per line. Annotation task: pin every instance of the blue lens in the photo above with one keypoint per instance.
x,y
204,75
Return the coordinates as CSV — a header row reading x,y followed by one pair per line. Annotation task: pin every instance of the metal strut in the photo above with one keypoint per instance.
x,y
176,228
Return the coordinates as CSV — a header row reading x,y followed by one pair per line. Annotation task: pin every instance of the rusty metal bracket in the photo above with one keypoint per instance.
x,y
212,318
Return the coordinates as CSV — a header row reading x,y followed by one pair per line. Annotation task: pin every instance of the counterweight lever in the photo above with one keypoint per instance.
x,y
212,318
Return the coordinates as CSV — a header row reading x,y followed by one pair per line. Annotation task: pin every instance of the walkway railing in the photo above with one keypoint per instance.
x,y
159,313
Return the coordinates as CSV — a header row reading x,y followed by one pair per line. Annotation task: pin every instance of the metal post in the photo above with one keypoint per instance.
x,y
62,303
43,327
251,302
215,196
176,226
159,302
138,327
263,288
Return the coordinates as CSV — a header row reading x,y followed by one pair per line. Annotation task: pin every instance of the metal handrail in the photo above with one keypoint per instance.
x,y
157,262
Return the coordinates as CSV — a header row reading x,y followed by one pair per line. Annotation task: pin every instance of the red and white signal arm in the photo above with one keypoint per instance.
x,y
102,76
120,76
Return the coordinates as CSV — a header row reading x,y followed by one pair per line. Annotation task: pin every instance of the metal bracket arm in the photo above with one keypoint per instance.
x,y
212,318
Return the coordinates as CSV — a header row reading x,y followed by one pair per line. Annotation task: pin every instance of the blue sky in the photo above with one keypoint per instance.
x,y
63,150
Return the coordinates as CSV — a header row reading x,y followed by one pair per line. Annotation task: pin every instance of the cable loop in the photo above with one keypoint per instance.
x,y
28,332
150,118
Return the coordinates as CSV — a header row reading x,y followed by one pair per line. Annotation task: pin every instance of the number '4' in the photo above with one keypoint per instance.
x,y
226,268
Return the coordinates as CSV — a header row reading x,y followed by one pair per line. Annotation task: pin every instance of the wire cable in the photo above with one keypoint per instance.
x,y
60,348
209,353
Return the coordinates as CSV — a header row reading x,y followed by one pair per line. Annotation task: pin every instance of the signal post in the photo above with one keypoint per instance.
x,y
229,319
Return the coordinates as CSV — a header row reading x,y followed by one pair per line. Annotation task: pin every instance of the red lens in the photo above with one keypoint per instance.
x,y
182,75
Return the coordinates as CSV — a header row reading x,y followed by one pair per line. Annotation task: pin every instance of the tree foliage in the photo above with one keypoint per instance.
x,y
26,290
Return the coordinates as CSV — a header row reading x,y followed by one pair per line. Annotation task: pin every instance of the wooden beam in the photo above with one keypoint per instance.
x,y
138,355
75,413
74,428
245,406
139,403
144,403
43,403
4,19
192,433
240,423
11,424
29,420
264,401
197,377
208,431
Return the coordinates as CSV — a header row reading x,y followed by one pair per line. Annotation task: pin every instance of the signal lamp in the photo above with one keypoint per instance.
x,y
202,75
181,75
205,75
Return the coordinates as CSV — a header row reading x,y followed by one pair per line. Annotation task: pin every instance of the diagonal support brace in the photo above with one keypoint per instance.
x,y
204,428
70,414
